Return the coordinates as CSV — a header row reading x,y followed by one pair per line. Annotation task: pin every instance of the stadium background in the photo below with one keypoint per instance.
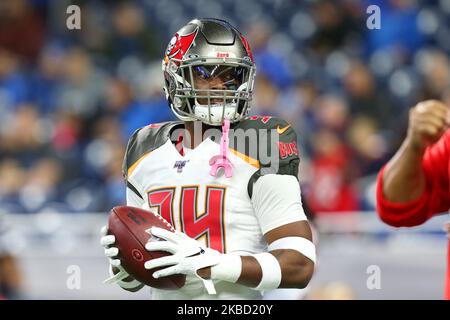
x,y
69,100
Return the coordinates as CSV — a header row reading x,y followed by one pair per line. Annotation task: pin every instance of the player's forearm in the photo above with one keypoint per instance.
x,y
251,273
403,177
296,271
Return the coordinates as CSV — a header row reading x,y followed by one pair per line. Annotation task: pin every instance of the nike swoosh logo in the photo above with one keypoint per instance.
x,y
282,130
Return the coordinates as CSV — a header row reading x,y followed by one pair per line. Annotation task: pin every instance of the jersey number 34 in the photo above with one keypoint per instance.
x,y
209,224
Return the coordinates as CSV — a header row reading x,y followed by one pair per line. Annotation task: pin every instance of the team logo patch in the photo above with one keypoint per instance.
x,y
180,165
287,149
179,45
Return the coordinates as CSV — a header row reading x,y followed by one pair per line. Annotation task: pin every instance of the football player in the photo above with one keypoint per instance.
x,y
227,182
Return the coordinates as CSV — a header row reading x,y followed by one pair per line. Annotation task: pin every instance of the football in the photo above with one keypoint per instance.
x,y
131,226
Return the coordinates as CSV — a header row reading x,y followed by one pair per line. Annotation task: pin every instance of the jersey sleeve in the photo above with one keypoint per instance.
x,y
277,201
434,199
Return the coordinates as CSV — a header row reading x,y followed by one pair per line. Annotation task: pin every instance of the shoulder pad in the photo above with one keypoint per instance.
x,y
145,140
265,139
274,150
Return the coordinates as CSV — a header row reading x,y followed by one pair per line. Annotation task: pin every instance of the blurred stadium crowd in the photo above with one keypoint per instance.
x,y
69,99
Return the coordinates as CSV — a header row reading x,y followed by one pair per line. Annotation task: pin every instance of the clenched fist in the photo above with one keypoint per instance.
x,y
428,121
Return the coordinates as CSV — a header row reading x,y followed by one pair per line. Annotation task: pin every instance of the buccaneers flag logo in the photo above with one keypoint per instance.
x,y
179,44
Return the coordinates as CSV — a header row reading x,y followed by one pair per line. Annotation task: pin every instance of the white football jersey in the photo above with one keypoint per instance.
x,y
218,211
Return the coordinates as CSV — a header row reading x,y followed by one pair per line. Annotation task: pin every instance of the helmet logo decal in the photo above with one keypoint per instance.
x,y
172,43
180,44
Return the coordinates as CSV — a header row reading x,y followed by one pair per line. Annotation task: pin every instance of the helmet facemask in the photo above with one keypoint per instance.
x,y
210,89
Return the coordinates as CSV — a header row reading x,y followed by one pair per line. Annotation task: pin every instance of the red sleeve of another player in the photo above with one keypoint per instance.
x,y
434,200
447,278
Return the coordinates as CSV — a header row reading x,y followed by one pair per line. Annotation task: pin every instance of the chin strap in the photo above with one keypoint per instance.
x,y
221,160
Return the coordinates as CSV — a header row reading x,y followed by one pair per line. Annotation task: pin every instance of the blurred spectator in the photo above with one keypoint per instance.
x,y
266,97
13,86
24,135
270,60
131,35
133,114
22,29
81,90
370,148
46,79
332,112
400,34
41,184
332,188
114,180
13,177
364,97
334,27
435,67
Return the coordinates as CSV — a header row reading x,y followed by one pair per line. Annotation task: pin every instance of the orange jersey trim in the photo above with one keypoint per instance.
x,y
253,162
134,165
